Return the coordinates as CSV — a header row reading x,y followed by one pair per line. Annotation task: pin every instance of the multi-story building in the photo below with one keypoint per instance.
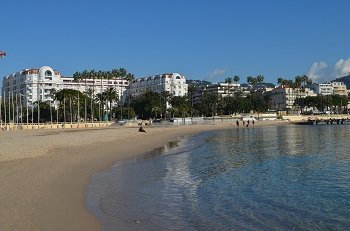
x,y
224,89
220,89
36,85
284,98
171,82
323,88
32,84
339,88
330,88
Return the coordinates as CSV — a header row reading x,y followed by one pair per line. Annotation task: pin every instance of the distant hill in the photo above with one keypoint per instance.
x,y
344,79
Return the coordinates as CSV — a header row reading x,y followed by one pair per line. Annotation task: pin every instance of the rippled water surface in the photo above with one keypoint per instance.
x,y
266,178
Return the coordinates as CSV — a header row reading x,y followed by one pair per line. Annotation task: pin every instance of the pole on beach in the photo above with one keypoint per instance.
x,y
64,110
0,115
85,111
38,114
27,112
5,110
9,102
16,112
20,103
13,108
50,112
78,109
32,107
58,107
70,110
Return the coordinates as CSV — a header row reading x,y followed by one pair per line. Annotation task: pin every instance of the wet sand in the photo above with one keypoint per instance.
x,y
44,173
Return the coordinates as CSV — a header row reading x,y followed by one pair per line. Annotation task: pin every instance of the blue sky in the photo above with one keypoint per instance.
x,y
201,39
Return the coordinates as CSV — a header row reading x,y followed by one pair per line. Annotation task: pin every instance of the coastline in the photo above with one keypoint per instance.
x,y
43,188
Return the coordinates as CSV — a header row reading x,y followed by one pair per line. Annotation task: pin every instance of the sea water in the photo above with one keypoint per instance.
x,y
263,178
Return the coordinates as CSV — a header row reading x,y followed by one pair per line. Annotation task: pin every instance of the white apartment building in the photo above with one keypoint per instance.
x,y
224,89
339,88
330,88
323,88
35,84
171,82
283,98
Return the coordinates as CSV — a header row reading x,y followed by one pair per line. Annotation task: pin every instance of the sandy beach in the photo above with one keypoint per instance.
x,y
44,173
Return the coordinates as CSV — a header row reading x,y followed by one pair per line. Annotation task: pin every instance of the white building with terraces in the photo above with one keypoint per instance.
x,y
35,84
174,83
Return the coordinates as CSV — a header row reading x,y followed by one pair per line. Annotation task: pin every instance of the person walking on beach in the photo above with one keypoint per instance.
x,y
237,123
247,123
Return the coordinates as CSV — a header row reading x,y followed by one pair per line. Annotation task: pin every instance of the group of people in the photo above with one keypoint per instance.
x,y
244,124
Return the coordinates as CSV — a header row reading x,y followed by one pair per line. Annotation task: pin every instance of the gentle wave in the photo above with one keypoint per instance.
x,y
268,178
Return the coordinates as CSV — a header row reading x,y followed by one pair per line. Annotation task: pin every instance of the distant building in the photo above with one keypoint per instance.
x,y
330,88
35,84
223,89
339,88
284,98
171,82
323,88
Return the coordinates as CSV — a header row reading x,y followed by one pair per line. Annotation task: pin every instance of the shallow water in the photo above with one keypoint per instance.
x,y
266,178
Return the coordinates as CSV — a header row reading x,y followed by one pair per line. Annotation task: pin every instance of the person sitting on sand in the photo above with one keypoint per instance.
x,y
141,129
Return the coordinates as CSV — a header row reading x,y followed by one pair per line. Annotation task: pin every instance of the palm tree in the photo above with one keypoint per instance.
x,y
259,79
191,89
280,80
110,95
228,80
166,97
236,78
250,80
122,72
130,77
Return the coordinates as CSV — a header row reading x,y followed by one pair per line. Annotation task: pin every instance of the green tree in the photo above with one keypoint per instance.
x,y
236,79
110,95
180,106
145,105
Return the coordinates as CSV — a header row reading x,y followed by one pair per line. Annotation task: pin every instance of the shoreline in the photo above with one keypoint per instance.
x,y
44,189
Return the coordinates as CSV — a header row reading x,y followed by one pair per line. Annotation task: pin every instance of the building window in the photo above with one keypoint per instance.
x,y
48,73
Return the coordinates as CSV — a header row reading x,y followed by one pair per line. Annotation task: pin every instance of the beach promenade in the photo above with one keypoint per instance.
x,y
44,173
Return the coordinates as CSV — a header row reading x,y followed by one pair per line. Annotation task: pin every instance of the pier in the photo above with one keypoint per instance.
x,y
317,120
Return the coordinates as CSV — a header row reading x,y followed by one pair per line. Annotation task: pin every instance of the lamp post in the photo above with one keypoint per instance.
x,y
0,114
2,55
20,102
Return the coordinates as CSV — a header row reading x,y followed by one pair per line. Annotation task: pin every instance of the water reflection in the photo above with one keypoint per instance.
x,y
286,177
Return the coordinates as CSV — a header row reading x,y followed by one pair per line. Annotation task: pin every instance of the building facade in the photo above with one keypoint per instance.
x,y
31,85
330,88
224,89
284,98
170,82
339,88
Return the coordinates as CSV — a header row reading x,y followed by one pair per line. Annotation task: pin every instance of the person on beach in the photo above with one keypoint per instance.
x,y
141,129
253,122
237,123
247,123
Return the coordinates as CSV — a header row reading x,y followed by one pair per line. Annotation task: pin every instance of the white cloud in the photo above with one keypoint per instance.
x,y
342,68
219,72
318,72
